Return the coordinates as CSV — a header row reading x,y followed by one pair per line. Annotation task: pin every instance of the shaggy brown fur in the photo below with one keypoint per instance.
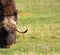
x,y
10,9
7,9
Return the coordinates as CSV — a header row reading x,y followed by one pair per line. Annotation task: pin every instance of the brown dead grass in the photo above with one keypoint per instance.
x,y
26,14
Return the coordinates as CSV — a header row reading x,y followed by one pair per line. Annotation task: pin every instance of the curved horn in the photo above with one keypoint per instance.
x,y
22,31
11,21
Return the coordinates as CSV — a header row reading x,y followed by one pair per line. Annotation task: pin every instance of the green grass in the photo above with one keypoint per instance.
x,y
42,18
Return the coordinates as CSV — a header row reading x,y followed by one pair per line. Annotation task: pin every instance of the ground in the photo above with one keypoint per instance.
x,y
42,18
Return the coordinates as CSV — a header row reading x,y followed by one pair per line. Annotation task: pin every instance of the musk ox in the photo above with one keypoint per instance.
x,y
8,23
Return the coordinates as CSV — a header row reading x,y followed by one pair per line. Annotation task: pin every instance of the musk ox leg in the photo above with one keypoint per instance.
x,y
3,34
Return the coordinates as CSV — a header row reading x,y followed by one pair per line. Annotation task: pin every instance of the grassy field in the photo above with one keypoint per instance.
x,y
42,18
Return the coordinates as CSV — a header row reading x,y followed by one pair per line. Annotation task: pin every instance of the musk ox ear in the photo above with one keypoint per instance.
x,y
6,23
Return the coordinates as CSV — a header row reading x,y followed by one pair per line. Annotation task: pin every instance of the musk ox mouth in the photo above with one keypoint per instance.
x,y
9,23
